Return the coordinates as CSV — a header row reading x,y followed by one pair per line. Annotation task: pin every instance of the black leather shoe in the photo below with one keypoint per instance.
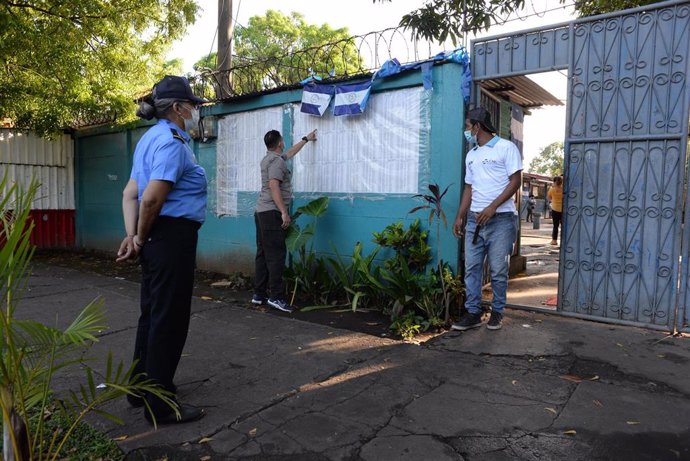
x,y
188,413
137,401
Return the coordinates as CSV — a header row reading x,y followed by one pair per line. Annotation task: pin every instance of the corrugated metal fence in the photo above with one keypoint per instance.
x,y
24,156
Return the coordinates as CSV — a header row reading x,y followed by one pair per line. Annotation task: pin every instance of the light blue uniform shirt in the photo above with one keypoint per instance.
x,y
161,156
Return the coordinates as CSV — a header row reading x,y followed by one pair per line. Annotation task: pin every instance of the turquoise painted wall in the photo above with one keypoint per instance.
x,y
100,177
227,244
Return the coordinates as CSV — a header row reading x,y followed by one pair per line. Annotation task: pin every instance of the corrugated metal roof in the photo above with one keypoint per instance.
x,y
520,90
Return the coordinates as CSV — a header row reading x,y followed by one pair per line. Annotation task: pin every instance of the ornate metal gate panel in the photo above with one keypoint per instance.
x,y
625,166
520,53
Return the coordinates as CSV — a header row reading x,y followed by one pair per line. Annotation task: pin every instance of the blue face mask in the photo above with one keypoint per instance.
x,y
471,138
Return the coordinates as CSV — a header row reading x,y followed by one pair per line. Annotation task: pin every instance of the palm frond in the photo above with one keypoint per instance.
x,y
37,334
116,419
88,323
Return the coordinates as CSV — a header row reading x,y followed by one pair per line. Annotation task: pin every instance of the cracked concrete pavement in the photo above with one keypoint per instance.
x,y
543,387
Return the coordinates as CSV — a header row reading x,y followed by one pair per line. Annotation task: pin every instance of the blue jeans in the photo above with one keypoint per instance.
x,y
495,242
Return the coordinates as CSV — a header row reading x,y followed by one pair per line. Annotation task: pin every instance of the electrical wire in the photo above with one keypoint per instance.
x,y
235,24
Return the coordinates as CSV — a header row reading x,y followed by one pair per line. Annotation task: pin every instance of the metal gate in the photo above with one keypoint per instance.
x,y
625,165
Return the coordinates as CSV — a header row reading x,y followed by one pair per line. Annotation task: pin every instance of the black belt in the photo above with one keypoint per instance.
x,y
179,221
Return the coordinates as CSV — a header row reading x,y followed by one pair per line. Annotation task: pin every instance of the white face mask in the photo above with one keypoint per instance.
x,y
471,138
192,123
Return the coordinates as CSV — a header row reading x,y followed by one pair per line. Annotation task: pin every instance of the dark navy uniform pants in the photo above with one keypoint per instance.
x,y
167,264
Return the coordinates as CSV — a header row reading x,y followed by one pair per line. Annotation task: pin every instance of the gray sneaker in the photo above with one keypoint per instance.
x,y
495,321
280,304
468,321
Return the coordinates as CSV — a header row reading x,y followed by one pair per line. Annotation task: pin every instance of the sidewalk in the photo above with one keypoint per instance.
x,y
543,387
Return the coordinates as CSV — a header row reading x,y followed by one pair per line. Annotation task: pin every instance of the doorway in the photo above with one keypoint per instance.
x,y
529,110
536,285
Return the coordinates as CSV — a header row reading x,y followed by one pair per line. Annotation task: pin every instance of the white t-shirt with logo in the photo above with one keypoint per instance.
x,y
488,169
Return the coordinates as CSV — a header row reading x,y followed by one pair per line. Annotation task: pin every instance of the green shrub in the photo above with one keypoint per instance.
x,y
410,245
407,325
416,298
357,282
307,273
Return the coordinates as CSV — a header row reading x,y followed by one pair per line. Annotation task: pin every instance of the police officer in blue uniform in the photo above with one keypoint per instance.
x,y
164,204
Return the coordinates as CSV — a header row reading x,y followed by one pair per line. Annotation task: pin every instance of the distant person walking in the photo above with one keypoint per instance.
x,y
555,196
531,203
272,220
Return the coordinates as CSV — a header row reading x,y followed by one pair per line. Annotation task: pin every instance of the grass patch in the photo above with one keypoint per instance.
x,y
84,444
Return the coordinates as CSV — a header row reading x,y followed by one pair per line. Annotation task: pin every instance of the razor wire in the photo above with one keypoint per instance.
x,y
357,55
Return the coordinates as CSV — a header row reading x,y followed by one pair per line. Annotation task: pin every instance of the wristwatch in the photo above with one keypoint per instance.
x,y
305,139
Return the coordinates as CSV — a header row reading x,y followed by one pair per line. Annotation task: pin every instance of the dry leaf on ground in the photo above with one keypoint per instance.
x,y
572,378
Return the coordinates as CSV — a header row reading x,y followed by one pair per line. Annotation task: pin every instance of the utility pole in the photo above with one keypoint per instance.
x,y
224,58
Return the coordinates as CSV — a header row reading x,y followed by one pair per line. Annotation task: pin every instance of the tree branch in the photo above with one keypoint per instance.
x,y
75,18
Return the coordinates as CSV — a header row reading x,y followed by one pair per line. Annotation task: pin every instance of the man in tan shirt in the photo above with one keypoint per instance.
x,y
272,219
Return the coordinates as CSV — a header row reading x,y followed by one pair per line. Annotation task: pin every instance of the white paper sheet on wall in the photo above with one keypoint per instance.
x,y
376,152
240,148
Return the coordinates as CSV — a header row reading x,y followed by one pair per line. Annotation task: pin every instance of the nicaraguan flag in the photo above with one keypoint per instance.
x,y
316,98
351,99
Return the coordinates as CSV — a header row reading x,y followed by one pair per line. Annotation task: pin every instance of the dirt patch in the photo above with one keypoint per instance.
x,y
234,288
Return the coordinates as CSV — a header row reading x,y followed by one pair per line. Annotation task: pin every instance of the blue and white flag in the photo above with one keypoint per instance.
x,y
351,99
316,98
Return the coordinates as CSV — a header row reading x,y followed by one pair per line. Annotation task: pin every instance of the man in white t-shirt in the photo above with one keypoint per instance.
x,y
492,176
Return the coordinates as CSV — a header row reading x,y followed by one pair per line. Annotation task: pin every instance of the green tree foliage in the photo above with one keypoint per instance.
x,y
207,62
261,52
173,67
439,20
549,162
66,63
592,7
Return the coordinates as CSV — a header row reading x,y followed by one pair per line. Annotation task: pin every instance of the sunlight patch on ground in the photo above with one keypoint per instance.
x,y
340,343
354,373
